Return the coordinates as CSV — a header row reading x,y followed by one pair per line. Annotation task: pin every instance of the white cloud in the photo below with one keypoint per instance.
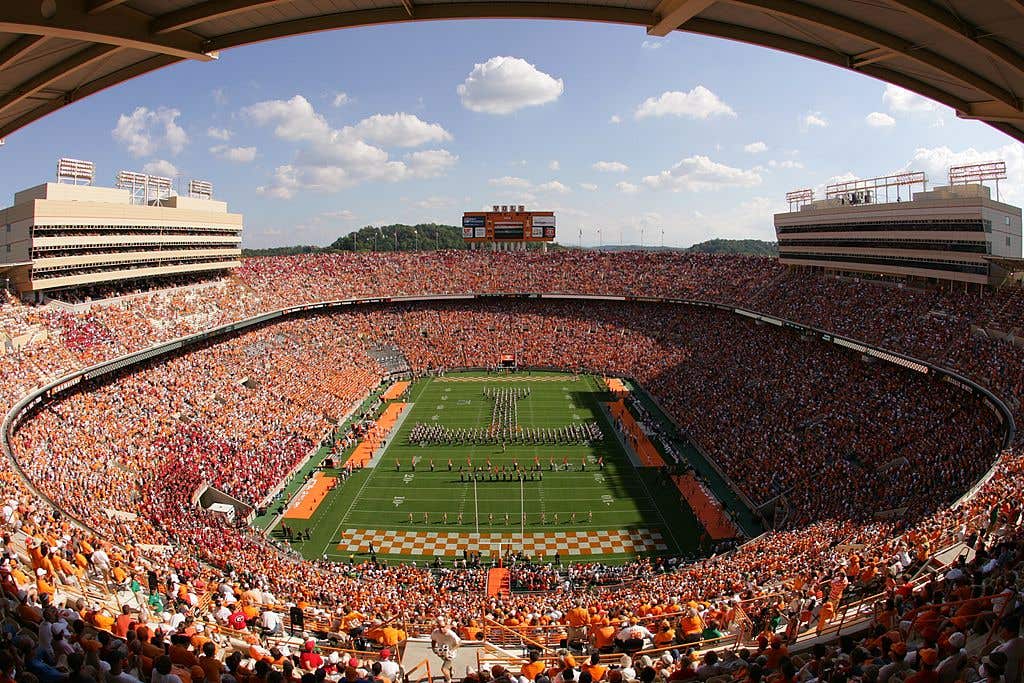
x,y
219,98
434,203
519,186
329,160
430,163
651,44
626,188
400,130
241,155
755,147
877,119
295,118
589,187
144,132
553,186
509,181
615,119
698,173
339,214
502,85
161,167
610,167
340,99
284,185
699,103
785,163
901,100
219,133
814,119
553,165
935,161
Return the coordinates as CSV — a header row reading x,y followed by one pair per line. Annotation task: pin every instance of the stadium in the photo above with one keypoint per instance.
x,y
511,462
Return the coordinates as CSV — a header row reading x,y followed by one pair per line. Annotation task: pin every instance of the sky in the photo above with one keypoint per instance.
x,y
627,138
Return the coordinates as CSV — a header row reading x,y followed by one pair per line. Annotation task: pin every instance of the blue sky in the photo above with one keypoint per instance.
x,y
313,136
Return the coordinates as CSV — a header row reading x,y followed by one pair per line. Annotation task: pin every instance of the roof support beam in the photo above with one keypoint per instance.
x,y
64,68
817,16
952,25
97,6
86,89
991,111
203,12
1017,5
827,55
118,26
819,53
409,7
12,52
879,54
425,11
671,14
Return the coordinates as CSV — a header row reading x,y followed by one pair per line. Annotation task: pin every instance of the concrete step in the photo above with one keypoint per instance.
x,y
418,649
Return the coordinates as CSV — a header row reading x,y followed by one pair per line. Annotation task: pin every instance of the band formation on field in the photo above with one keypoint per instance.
x,y
480,463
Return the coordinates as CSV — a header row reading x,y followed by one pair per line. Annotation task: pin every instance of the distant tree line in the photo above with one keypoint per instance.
x,y
432,236
394,237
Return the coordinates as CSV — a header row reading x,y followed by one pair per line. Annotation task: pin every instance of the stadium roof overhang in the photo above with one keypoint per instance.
x,y
966,54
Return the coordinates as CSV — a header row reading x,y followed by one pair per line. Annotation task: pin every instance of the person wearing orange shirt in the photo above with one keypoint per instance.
x,y
123,622
534,667
691,625
102,620
577,620
828,611
595,668
43,585
179,652
775,654
604,638
666,635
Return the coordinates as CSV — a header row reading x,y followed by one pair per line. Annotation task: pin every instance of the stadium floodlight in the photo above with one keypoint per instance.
x,y
866,190
158,188
75,171
200,189
798,198
978,173
135,183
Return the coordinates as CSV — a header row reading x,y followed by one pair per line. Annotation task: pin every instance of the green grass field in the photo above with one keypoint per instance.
x,y
619,496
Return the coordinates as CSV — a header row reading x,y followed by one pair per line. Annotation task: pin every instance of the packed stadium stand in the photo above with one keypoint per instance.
x,y
72,240
878,421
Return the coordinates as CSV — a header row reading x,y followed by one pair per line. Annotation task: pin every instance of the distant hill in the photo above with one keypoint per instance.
x,y
395,237
745,247
717,246
431,236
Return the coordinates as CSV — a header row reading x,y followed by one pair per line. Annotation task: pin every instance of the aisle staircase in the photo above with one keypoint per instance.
x,y
499,582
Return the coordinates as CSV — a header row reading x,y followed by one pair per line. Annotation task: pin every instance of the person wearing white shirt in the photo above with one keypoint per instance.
x,y
1012,647
271,621
388,666
445,642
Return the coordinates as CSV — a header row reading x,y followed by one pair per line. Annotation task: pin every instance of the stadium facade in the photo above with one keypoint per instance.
x,y
950,234
60,236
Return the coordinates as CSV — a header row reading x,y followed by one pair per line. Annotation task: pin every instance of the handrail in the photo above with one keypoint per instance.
x,y
501,627
424,663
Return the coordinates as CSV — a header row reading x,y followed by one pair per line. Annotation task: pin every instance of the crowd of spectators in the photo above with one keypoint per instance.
x,y
867,459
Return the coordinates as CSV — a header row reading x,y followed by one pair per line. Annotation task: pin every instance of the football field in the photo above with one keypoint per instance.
x,y
487,463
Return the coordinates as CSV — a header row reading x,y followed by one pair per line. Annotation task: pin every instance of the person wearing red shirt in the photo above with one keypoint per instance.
x,y
310,660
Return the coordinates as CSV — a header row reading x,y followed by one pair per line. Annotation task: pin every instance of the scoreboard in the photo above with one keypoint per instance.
x,y
508,224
